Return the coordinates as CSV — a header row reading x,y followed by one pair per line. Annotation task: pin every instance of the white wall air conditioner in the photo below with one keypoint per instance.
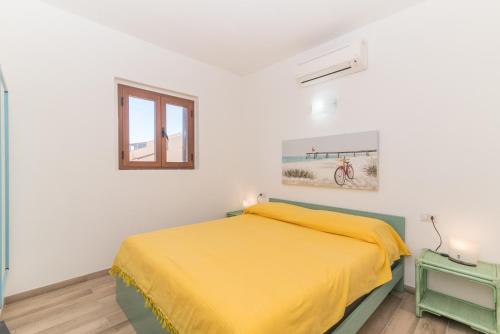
x,y
333,64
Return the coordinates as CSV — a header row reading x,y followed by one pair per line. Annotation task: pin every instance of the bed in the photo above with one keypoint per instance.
x,y
278,268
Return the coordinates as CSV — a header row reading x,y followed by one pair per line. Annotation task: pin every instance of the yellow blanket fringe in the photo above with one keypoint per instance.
x,y
129,281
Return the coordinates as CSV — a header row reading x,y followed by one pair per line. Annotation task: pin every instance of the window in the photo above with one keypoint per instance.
x,y
155,130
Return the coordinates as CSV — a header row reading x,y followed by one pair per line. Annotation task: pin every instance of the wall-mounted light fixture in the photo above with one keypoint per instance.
x,y
323,105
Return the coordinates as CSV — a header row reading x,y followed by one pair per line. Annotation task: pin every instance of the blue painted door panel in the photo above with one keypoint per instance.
x,y
4,185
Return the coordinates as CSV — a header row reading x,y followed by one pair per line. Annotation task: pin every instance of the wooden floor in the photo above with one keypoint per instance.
x,y
90,307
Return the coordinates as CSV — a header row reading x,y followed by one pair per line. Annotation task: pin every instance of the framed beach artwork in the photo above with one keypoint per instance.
x,y
346,161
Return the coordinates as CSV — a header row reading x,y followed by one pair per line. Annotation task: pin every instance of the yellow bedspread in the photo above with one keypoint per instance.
x,y
276,269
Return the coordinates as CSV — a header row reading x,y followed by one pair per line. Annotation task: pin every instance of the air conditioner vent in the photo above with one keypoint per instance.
x,y
333,64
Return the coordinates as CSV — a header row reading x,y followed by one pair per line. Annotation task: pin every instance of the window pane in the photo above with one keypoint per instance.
x,y
177,132
141,129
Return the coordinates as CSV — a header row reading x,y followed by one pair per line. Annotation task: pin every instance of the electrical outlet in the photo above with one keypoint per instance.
x,y
426,217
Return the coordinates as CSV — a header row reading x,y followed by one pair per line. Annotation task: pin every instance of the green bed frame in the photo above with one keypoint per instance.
x,y
145,322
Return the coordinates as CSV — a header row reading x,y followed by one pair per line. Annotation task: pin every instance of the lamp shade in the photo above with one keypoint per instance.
x,y
463,251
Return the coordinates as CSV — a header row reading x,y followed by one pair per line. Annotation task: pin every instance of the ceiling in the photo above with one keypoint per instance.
x,y
241,36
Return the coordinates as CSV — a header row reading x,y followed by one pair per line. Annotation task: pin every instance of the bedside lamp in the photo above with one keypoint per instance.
x,y
463,251
248,202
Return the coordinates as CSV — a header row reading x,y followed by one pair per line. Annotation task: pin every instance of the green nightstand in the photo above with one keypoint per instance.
x,y
234,213
478,317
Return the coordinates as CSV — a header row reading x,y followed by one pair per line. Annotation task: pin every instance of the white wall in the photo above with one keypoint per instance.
x,y
432,90
71,206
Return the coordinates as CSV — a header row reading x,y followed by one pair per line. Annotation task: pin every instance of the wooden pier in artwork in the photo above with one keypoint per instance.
x,y
326,155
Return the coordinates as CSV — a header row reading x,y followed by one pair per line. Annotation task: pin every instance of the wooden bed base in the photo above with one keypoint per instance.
x,y
145,322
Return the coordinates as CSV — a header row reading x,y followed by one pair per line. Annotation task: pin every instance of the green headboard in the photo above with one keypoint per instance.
x,y
397,222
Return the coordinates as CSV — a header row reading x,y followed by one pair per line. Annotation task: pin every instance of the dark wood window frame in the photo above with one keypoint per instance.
x,y
161,137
